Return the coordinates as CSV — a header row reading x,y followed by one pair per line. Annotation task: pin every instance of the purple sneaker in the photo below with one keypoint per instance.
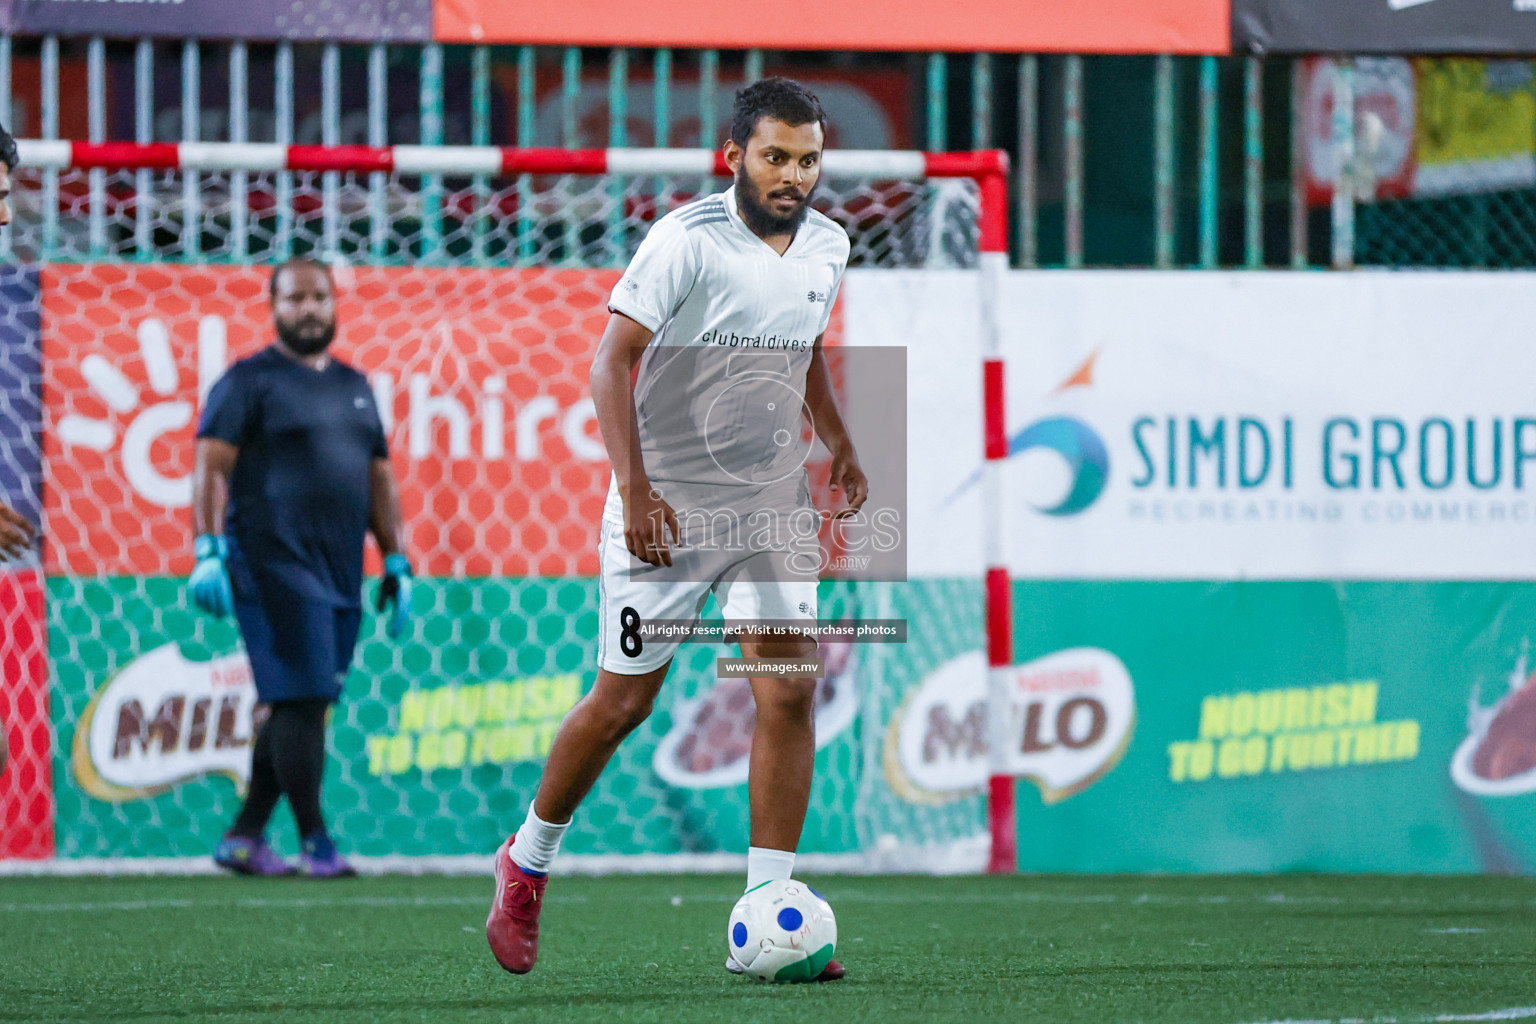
x,y
321,859
250,857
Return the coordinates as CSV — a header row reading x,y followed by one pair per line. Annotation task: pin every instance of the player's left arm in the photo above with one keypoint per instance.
x,y
384,519
827,420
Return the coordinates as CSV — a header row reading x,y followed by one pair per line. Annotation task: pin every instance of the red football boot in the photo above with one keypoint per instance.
x,y
513,927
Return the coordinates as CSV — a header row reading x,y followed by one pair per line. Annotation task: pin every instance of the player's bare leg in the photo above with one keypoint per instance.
x,y
587,738
783,748
783,761
590,733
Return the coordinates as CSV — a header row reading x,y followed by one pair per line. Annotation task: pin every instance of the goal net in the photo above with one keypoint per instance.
x,y
472,287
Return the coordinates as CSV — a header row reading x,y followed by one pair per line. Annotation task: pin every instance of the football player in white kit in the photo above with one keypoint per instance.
x,y
723,310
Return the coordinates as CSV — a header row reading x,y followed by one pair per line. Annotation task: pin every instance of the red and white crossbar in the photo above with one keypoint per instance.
x,y
989,168
465,160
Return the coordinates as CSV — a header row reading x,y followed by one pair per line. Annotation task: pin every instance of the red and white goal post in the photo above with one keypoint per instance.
x,y
249,162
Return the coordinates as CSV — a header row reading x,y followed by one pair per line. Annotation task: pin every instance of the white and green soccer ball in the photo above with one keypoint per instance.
x,y
782,931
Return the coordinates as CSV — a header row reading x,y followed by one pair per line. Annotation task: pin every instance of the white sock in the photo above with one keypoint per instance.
x,y
764,865
537,843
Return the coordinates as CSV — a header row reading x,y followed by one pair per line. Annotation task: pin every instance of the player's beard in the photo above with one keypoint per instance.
x,y
756,212
302,339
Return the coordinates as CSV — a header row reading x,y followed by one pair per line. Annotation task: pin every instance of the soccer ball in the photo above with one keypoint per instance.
x,y
782,931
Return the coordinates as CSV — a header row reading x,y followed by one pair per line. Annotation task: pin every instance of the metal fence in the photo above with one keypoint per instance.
x,y
1117,161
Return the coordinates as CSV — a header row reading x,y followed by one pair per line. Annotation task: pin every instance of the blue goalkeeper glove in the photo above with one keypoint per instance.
x,y
395,589
210,578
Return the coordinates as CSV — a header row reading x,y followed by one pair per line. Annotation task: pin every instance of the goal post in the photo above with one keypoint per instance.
x,y
163,238
981,166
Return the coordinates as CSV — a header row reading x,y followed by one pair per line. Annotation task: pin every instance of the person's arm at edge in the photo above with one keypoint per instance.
x,y
215,462
384,518
16,534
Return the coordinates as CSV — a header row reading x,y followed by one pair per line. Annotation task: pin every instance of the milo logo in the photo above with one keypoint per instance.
x,y
163,720
1070,720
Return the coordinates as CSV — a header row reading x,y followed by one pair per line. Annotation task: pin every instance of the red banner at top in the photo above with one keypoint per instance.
x,y
358,20
1082,26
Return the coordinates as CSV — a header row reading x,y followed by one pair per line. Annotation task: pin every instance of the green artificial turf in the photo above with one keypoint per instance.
x,y
1095,949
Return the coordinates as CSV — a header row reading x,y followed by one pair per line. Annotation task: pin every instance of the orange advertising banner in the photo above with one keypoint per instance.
x,y
481,373
1081,26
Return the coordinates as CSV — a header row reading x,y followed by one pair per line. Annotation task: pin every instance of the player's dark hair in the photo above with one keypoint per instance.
x,y
782,99
294,264
9,155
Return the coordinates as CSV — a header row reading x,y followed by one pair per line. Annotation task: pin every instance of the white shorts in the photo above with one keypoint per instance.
x,y
747,586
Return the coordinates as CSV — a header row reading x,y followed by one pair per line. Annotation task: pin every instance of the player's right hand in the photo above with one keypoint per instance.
x,y
15,533
210,577
646,521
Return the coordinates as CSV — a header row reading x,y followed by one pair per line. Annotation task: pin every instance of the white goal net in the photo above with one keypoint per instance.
x,y
473,303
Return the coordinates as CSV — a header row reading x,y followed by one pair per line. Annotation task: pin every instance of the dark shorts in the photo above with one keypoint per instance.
x,y
299,647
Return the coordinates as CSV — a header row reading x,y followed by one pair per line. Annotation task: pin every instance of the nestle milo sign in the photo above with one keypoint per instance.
x,y
163,720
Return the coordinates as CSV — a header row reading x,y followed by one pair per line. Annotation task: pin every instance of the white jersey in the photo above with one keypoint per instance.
x,y
720,387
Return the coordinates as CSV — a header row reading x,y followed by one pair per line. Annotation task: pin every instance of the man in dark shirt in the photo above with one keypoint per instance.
x,y
292,473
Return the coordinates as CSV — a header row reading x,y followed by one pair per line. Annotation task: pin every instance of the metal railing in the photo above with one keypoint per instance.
x,y
1117,161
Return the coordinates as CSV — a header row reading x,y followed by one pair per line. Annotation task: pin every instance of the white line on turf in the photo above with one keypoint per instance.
x,y
277,903
965,856
726,895
1512,1013
254,903
40,908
